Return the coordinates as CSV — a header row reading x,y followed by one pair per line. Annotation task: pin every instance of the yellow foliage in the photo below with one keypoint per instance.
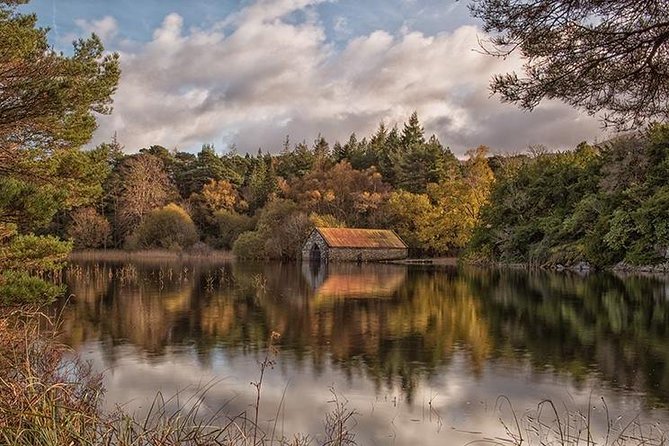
x,y
220,195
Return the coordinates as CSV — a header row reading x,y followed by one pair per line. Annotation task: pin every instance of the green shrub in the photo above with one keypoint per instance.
x,y
283,227
230,225
34,253
169,227
281,230
18,287
249,245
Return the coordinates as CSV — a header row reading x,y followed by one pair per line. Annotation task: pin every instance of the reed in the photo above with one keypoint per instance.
x,y
49,397
552,424
151,256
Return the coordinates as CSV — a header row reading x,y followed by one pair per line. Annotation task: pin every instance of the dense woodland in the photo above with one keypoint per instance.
x,y
602,204
263,206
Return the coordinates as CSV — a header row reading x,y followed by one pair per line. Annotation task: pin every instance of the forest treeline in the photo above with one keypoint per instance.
x,y
602,204
264,205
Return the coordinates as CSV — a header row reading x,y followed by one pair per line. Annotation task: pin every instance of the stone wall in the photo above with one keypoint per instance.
x,y
366,255
317,239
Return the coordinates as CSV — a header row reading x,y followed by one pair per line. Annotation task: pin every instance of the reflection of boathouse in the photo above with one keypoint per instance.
x,y
348,281
353,245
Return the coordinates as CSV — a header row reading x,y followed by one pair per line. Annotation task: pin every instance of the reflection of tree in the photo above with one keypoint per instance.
x,y
572,324
616,327
383,322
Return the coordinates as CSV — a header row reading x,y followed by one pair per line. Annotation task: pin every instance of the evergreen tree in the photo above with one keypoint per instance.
x,y
413,134
389,156
262,184
338,153
321,151
418,163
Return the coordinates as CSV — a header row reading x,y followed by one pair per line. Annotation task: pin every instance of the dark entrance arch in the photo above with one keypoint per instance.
x,y
315,253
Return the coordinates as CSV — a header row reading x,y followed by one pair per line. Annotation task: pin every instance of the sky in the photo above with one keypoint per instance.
x,y
246,74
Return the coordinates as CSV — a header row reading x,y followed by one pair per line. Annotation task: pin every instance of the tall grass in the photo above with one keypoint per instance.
x,y
49,397
550,424
44,399
150,255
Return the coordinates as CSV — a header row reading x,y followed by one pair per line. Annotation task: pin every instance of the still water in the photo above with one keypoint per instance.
x,y
421,354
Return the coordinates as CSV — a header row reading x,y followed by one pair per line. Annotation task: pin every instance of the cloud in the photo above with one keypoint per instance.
x,y
271,75
106,28
341,27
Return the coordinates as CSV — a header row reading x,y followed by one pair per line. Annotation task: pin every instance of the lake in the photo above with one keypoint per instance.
x,y
423,355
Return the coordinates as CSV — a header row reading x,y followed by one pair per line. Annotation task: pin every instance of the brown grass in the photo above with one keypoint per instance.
x,y
551,424
43,399
150,256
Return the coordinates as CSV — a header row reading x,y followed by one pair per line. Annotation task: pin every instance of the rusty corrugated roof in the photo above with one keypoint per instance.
x,y
361,238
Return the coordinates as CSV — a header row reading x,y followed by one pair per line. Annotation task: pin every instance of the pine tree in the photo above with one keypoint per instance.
x,y
413,133
321,151
262,183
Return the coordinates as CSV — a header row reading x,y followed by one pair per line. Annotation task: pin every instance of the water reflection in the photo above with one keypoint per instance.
x,y
397,329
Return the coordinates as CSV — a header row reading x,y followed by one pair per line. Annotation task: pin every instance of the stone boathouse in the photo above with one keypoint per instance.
x,y
353,245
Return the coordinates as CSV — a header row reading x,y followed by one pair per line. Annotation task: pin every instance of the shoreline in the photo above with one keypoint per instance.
x,y
158,255
150,255
580,268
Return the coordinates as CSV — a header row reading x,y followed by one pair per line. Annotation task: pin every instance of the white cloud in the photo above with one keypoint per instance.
x,y
106,28
341,27
270,77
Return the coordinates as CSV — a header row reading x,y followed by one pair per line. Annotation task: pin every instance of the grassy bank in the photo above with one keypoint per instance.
x,y
152,255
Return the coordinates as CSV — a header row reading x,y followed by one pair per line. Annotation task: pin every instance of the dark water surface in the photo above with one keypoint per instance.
x,y
421,354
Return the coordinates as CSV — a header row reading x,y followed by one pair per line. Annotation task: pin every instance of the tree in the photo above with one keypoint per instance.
x,y
410,215
192,173
281,230
139,185
216,196
413,133
262,184
48,103
347,194
600,56
220,195
422,163
47,99
458,202
169,227
321,150
294,163
89,229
